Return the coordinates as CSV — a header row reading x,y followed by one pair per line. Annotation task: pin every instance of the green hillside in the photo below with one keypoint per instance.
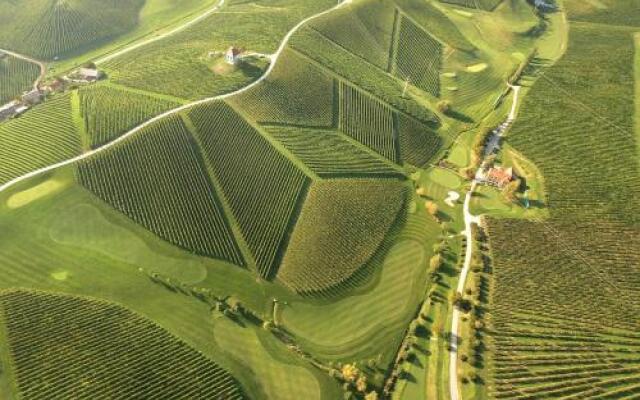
x,y
49,29
16,76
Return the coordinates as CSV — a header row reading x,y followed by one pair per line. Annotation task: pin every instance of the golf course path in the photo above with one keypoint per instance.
x,y
43,67
469,220
175,30
151,121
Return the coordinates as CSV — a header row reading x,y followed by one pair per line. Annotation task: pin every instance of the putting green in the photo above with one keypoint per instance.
x,y
99,234
477,67
445,178
60,275
356,319
25,197
279,377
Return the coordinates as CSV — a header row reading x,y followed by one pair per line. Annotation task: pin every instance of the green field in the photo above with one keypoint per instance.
x,y
565,310
47,333
46,135
16,77
49,35
260,244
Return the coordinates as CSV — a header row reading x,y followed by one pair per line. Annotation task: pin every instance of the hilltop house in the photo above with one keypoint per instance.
x,y
232,56
499,176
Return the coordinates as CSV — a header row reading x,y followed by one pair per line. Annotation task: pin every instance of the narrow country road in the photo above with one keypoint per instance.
x,y
469,220
177,29
43,67
140,127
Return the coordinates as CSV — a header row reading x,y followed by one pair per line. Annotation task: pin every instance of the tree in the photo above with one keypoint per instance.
x,y
432,208
371,396
510,190
361,384
435,263
444,106
350,372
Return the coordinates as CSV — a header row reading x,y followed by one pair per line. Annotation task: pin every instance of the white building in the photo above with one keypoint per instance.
x,y
233,55
8,110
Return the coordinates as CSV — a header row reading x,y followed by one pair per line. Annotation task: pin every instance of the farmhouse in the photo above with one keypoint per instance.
x,y
499,176
89,74
232,55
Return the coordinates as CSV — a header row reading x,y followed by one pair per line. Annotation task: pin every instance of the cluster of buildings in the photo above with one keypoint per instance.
x,y
28,99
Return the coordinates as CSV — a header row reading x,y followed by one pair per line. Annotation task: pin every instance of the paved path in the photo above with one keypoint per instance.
x,y
180,28
43,67
137,129
469,220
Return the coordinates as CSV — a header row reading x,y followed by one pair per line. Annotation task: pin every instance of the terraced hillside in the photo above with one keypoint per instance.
x,y
49,29
565,303
108,352
16,76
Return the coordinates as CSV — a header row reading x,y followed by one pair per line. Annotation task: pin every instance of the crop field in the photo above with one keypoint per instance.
x,y
130,357
487,5
64,28
436,22
419,58
16,76
353,211
329,154
157,179
262,186
565,302
608,12
109,112
418,143
368,121
364,28
44,136
366,76
296,93
169,67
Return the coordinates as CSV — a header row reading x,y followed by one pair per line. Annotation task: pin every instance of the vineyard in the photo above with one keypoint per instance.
x,y
565,303
418,143
105,351
364,29
109,112
419,58
64,28
157,179
359,212
329,154
487,5
296,93
170,67
368,121
262,187
609,12
44,136
16,77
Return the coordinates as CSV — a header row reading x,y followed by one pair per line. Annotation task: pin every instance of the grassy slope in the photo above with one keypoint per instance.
x,y
584,251
168,66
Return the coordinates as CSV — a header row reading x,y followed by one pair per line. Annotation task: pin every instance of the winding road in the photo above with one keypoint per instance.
x,y
151,121
43,67
177,29
469,220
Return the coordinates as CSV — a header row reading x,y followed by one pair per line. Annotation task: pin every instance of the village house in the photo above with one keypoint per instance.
x,y
499,176
232,55
55,86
